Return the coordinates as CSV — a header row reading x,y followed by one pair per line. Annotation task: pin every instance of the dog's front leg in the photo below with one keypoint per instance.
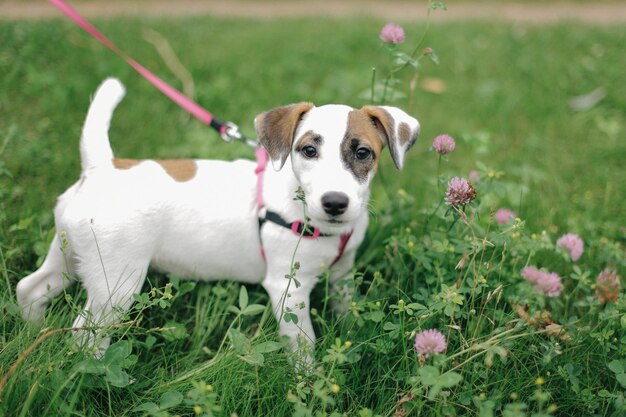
x,y
291,305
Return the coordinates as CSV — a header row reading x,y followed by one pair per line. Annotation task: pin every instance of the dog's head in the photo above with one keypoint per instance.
x,y
335,151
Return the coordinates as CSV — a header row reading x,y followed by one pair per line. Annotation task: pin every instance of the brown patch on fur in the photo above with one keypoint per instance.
x,y
361,133
276,129
121,163
180,170
360,125
404,134
383,122
309,138
385,125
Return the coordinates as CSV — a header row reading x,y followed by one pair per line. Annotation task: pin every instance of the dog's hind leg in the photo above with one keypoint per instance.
x,y
35,291
110,289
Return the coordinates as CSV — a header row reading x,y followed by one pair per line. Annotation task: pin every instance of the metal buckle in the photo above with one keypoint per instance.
x,y
231,133
296,228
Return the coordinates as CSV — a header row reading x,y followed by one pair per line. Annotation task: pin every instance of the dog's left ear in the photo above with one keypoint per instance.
x,y
398,130
276,128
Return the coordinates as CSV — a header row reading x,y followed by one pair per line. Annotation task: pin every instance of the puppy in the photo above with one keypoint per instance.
x,y
213,220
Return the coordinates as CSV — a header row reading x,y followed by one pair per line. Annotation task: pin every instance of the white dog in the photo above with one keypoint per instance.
x,y
212,220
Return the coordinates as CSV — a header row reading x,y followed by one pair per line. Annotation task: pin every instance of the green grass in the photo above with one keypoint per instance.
x,y
506,103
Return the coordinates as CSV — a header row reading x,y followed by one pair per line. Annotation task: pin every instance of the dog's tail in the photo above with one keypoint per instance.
x,y
95,149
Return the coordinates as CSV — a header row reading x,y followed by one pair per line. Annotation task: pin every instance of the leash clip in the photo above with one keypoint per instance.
x,y
231,132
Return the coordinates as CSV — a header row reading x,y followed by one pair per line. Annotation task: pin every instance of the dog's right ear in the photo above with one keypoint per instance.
x,y
276,128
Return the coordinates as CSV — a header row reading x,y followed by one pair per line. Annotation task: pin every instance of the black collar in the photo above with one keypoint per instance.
x,y
297,227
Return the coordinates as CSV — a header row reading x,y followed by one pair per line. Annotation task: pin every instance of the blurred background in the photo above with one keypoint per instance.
x,y
521,10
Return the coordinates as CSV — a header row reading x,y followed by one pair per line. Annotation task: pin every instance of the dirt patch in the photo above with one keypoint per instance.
x,y
595,13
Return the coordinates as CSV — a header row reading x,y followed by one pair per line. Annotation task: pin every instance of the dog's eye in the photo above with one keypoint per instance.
x,y
363,153
309,151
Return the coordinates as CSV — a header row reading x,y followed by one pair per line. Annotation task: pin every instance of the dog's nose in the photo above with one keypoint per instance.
x,y
335,203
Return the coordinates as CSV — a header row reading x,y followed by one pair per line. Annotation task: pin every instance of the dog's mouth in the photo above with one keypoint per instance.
x,y
333,224
330,221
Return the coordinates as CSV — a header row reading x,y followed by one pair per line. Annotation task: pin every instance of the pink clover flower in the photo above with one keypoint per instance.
x,y
546,283
392,34
444,144
504,216
460,192
430,342
573,244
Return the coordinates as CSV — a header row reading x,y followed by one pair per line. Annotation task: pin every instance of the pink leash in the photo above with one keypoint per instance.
x,y
261,163
229,131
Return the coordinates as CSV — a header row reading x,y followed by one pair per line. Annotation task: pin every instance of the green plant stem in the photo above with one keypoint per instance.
x,y
569,296
75,397
29,400
390,76
425,227
283,298
403,338
489,341
236,319
423,38
326,293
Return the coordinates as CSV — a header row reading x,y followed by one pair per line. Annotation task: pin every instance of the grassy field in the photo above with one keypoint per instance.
x,y
506,100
